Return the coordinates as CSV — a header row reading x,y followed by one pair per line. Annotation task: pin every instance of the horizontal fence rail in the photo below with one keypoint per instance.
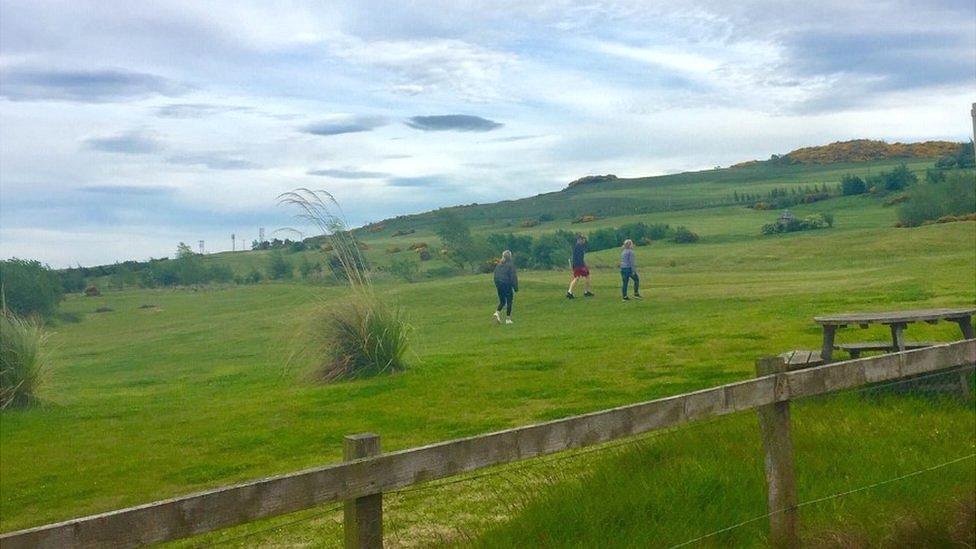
x,y
229,506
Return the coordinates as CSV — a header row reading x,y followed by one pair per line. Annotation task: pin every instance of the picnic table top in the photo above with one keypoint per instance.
x,y
894,317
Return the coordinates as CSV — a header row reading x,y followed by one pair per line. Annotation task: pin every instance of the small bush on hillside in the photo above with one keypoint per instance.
x,y
808,223
423,254
897,199
417,246
278,267
898,179
254,277
30,288
402,232
23,360
852,185
394,250
529,223
955,197
684,236
407,269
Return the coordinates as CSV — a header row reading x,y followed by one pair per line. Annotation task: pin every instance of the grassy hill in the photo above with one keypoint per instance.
x,y
197,389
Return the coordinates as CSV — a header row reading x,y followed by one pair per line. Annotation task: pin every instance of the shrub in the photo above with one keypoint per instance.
x,y
306,268
253,277
808,223
898,179
279,268
585,219
417,246
23,360
406,269
92,291
897,199
548,251
402,232
684,236
423,254
852,184
443,271
955,197
520,245
30,288
602,239
72,280
393,250
762,206
529,223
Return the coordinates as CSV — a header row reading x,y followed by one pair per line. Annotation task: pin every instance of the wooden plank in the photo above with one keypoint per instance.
x,y
206,511
881,345
887,317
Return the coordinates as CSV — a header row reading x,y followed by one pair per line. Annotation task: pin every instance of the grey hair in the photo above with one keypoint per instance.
x,y
506,256
628,241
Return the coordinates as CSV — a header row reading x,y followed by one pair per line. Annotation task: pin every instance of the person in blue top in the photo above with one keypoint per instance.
x,y
628,270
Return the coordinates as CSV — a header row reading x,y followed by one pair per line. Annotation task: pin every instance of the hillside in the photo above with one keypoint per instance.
x,y
860,150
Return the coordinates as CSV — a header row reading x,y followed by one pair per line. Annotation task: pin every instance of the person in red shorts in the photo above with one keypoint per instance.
x,y
580,269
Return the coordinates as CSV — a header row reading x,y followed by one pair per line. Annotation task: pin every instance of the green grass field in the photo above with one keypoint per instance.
x,y
197,391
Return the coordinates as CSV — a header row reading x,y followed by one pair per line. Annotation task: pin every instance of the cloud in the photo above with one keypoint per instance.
x,y
432,65
453,122
196,110
345,124
132,190
92,86
348,174
132,142
213,161
513,138
418,182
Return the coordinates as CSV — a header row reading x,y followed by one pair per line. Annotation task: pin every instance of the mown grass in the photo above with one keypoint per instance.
x,y
149,403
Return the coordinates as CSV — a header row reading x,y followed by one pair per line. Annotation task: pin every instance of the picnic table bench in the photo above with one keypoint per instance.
x,y
897,321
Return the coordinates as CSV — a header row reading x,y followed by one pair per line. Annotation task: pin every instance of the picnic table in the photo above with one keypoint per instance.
x,y
898,321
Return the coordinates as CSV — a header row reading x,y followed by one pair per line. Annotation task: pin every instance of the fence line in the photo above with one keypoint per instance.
x,y
826,498
360,478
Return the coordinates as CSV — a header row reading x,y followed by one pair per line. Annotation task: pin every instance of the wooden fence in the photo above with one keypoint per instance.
x,y
367,472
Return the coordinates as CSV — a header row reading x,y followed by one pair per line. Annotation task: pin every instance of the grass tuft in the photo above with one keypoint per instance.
x,y
360,336
23,360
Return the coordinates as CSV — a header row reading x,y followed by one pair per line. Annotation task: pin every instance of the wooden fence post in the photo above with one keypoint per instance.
x,y
363,523
774,422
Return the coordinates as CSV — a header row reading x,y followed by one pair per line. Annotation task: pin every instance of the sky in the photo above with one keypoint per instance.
x,y
128,127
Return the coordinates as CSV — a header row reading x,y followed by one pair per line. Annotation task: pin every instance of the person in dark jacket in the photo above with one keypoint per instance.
x,y
506,282
580,270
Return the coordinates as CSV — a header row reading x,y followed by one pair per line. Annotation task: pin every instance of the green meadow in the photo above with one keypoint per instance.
x,y
179,390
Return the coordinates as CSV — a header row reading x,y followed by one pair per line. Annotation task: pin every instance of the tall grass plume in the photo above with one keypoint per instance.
x,y
23,360
359,336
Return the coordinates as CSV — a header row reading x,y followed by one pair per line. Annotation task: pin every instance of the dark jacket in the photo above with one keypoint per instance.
x,y
578,251
505,273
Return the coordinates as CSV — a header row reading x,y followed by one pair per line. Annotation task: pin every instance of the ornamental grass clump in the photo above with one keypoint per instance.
x,y
23,360
358,336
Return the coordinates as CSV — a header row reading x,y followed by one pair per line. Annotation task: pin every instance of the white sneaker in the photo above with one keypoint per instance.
x,y
497,317
509,321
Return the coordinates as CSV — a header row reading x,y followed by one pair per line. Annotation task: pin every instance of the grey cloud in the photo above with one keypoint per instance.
x,y
94,86
132,190
133,142
514,138
352,124
196,110
418,182
348,174
453,122
214,161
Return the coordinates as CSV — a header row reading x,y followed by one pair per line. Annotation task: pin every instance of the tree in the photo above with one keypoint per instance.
x,y
29,288
899,178
279,268
852,184
456,238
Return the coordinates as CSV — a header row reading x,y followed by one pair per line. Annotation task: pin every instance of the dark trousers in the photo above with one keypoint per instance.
x,y
505,297
625,275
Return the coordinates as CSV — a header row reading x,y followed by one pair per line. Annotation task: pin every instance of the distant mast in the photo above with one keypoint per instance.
x,y
233,242
973,113
261,235
201,246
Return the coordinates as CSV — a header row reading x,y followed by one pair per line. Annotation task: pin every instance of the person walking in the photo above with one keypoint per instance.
x,y
506,283
580,270
628,270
